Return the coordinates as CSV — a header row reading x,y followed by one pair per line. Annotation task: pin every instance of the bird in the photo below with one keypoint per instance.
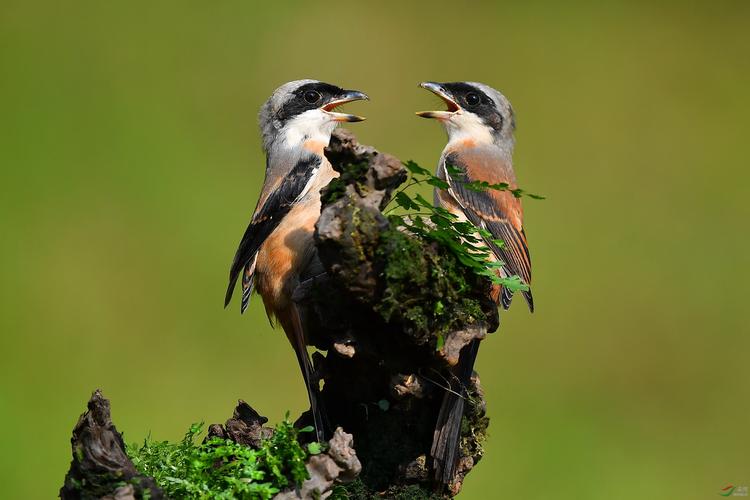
x,y
277,250
480,124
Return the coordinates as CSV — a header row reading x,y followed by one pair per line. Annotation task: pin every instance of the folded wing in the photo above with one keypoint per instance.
x,y
499,212
265,220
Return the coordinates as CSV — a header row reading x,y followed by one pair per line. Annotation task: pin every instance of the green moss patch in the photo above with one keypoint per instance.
x,y
426,288
222,469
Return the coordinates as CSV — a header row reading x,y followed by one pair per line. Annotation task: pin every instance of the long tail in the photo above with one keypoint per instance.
x,y
296,335
445,441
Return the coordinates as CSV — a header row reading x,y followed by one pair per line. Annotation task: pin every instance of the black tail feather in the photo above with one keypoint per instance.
x,y
506,296
445,441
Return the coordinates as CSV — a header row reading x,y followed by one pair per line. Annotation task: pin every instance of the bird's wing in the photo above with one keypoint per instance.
x,y
266,218
499,212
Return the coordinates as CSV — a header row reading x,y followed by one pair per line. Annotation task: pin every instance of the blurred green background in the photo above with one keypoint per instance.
x,y
131,162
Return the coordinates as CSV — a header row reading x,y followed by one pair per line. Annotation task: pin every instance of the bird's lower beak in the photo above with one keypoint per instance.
x,y
348,96
439,91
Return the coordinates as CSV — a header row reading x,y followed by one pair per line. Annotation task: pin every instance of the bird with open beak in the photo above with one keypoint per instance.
x,y
480,123
277,251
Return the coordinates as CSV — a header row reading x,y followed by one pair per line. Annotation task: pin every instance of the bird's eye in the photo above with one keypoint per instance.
x,y
312,96
472,99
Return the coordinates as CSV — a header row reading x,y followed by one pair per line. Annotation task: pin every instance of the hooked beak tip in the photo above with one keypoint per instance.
x,y
355,95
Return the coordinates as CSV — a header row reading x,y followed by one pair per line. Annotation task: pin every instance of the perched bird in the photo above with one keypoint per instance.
x,y
480,125
277,250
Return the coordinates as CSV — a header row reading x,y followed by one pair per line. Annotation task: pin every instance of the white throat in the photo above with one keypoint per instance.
x,y
315,125
462,126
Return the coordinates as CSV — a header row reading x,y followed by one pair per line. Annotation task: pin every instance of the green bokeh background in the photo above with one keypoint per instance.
x,y
131,162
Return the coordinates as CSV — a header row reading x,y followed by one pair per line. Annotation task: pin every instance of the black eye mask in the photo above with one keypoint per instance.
x,y
302,97
475,101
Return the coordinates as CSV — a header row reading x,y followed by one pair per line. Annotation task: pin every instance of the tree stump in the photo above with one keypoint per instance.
x,y
388,355
390,316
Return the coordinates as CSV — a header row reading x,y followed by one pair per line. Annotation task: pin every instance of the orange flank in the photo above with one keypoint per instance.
x,y
283,253
314,146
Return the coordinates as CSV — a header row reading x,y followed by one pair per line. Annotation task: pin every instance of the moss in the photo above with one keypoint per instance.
x,y
474,426
351,173
221,468
355,234
357,490
411,492
426,287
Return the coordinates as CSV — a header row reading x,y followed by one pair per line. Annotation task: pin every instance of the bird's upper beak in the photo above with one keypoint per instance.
x,y
439,91
347,96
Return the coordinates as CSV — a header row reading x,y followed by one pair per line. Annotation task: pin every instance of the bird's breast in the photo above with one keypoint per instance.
x,y
487,163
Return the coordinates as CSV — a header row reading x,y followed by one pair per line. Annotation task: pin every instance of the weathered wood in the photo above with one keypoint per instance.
x,y
102,470
386,362
100,466
384,376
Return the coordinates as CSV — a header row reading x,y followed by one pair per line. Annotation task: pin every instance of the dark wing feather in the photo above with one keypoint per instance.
x,y
491,211
265,220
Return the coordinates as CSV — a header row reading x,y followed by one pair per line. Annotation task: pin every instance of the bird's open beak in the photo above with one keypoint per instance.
x,y
439,91
347,96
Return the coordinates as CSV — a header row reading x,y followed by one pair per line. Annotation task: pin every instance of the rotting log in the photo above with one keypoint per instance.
x,y
389,316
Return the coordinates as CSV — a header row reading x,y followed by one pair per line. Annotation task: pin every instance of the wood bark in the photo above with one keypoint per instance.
x,y
384,371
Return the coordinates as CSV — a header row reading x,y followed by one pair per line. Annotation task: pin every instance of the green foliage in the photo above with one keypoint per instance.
x,y
464,240
222,469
